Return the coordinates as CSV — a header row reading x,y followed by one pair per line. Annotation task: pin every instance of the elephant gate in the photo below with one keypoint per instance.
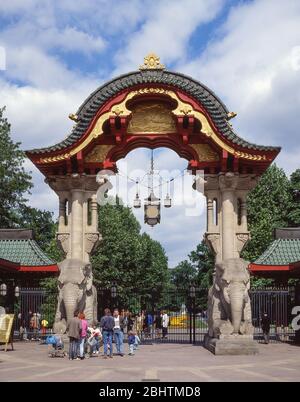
x,y
153,108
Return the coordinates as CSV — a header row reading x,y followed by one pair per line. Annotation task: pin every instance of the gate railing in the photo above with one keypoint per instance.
x,y
187,315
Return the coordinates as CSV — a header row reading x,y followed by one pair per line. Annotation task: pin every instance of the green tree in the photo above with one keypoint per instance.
x,y
125,256
183,275
14,181
268,207
294,213
203,260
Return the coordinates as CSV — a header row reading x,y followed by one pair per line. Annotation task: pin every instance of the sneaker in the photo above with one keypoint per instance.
x,y
97,352
104,357
111,356
94,353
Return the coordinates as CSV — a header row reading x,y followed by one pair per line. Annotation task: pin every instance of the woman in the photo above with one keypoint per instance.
x,y
84,327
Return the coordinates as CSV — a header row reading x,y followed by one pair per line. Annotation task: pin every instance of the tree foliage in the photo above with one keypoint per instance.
x,y
15,183
127,257
268,208
294,212
273,203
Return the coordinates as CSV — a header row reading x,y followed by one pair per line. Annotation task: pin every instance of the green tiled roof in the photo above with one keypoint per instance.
x,y
26,252
281,252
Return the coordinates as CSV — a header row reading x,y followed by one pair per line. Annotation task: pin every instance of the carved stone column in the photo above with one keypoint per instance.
x,y
77,246
77,237
228,236
228,183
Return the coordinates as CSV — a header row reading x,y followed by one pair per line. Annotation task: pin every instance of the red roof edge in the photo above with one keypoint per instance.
x,y
16,266
276,268
9,264
44,268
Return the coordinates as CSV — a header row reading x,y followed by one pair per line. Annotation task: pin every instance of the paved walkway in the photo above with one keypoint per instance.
x,y
168,362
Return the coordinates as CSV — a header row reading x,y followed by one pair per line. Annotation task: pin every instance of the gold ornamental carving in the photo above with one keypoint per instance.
x,y
98,154
152,62
182,108
152,118
205,153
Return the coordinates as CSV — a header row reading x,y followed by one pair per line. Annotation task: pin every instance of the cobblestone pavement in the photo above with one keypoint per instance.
x,y
164,362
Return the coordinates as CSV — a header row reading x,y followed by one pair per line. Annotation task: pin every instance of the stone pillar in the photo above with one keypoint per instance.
x,y
244,225
77,225
228,183
77,239
94,207
210,214
227,238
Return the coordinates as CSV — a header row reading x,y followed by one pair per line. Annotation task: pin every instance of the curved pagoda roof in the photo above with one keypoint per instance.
x,y
210,101
282,255
19,251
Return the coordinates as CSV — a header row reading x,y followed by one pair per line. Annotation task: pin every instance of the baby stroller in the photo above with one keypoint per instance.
x,y
55,346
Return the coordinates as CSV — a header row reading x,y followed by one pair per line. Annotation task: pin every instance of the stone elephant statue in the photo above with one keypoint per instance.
x,y
76,293
229,308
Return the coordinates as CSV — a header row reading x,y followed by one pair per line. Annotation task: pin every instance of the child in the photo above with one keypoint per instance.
x,y
94,339
131,341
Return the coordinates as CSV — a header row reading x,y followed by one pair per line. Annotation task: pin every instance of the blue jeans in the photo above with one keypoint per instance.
x,y
96,347
119,336
81,347
131,348
107,338
73,348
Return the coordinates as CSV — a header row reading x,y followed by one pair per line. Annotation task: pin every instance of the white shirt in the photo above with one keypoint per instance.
x,y
165,320
117,322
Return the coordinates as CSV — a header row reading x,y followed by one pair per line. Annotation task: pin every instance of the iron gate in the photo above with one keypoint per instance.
x,y
187,314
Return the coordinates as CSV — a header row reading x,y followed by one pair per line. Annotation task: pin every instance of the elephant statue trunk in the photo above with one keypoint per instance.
x,y
76,293
229,305
236,294
71,298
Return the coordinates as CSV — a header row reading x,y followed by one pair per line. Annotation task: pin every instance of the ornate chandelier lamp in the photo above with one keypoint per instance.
x,y
137,201
152,203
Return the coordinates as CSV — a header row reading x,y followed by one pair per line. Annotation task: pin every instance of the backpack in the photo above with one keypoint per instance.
x,y
51,340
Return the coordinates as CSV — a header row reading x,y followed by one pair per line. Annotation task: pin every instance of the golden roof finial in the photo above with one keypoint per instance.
x,y
231,115
152,62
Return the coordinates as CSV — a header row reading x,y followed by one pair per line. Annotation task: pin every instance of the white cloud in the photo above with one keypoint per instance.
x,y
251,66
251,62
39,116
166,31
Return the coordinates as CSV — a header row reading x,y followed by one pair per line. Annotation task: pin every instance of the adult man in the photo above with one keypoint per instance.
x,y
74,332
118,331
107,324
265,325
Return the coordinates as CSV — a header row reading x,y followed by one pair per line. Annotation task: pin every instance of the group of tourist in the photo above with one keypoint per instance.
x,y
113,327
31,326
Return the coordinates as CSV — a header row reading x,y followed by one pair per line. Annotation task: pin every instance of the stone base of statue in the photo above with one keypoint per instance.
x,y
231,345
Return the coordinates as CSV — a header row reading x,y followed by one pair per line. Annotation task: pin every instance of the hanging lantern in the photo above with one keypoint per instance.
x,y
167,201
152,210
3,289
137,201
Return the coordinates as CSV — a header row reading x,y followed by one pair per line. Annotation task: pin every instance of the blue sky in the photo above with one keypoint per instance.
x,y
58,52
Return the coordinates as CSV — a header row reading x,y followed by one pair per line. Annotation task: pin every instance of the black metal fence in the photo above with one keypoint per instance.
x,y
186,312
278,304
